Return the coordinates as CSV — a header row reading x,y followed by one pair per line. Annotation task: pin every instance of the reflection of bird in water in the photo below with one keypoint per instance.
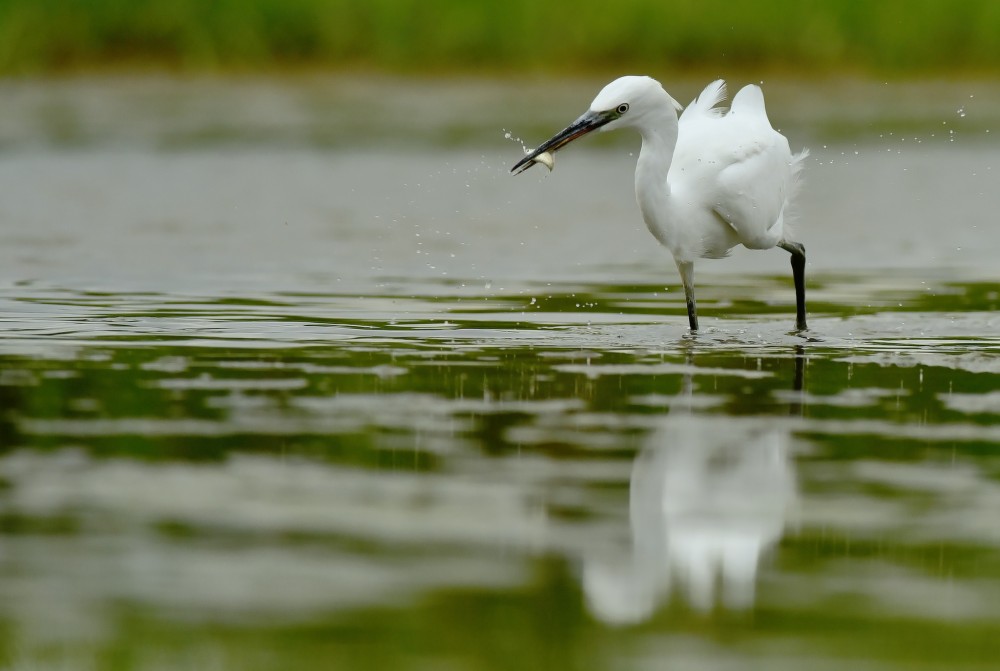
x,y
708,497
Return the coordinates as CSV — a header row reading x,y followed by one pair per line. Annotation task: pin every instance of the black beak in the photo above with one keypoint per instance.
x,y
586,123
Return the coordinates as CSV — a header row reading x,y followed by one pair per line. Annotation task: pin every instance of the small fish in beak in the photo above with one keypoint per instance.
x,y
543,154
546,159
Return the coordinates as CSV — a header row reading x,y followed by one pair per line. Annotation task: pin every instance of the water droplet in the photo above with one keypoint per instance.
x,y
961,111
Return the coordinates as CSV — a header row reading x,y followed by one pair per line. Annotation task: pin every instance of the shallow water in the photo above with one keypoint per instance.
x,y
279,406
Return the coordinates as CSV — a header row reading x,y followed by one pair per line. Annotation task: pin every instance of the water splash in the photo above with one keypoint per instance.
x,y
507,135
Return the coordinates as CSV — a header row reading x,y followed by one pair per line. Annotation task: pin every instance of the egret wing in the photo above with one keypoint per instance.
x,y
740,167
753,190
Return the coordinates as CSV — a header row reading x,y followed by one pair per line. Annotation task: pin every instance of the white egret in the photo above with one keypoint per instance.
x,y
705,182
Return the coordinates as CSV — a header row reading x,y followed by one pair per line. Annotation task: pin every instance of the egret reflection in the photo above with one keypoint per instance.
x,y
707,500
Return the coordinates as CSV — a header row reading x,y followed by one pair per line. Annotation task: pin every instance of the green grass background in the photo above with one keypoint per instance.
x,y
899,36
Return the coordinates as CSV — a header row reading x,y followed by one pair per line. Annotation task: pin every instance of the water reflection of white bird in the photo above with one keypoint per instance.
x,y
707,499
705,182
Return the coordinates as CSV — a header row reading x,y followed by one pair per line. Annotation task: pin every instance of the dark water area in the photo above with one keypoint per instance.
x,y
276,402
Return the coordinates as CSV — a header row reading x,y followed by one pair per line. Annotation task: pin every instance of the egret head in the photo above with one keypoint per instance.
x,y
625,102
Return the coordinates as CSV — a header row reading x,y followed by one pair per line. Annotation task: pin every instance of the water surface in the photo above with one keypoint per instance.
x,y
279,403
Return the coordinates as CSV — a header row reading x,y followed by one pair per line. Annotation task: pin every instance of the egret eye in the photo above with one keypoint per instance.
x,y
623,108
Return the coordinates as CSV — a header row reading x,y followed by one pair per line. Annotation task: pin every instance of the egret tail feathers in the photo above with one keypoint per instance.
x,y
790,210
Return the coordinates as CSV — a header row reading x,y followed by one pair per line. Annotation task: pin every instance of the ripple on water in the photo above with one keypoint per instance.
x,y
278,462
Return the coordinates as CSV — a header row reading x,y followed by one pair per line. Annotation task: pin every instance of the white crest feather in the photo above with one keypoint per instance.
x,y
705,104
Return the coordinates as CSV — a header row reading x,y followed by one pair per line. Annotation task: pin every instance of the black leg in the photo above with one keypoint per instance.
x,y
687,278
692,313
798,252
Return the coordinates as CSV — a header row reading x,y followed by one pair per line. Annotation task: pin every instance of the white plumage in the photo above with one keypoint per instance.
x,y
706,181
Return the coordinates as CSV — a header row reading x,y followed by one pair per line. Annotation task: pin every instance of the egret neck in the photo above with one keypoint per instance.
x,y
652,191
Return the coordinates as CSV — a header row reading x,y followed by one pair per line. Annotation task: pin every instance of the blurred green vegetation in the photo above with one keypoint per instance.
x,y
907,36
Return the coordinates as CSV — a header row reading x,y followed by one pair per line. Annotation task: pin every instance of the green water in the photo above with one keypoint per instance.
x,y
273,407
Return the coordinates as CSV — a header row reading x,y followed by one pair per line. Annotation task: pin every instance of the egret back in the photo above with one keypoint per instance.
x,y
735,166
